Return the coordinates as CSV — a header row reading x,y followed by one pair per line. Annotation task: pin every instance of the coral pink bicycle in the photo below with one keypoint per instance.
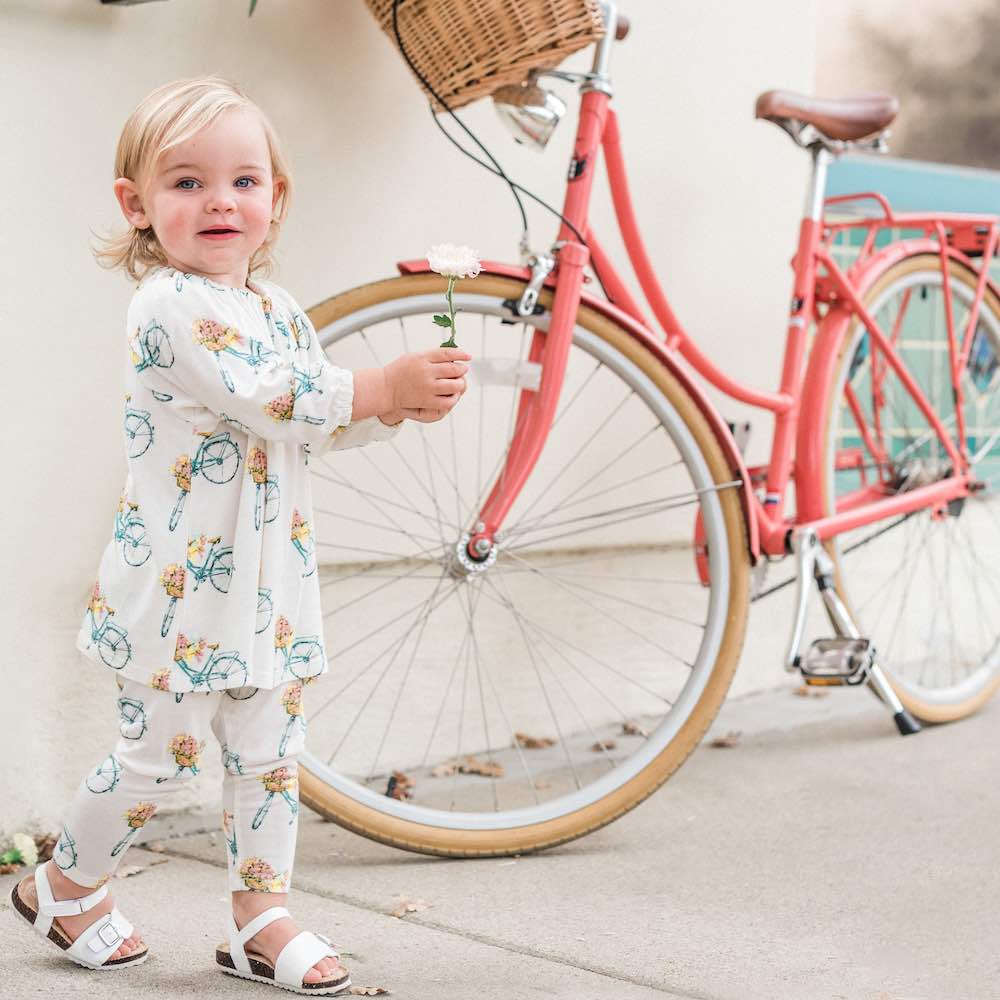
x,y
542,607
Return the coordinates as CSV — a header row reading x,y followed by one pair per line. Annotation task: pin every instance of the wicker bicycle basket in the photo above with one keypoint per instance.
x,y
465,49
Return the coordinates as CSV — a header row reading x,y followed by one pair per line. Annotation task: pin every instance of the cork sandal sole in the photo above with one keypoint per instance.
x,y
25,900
262,971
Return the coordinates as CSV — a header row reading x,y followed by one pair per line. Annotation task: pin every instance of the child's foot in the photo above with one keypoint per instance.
x,y
73,927
269,941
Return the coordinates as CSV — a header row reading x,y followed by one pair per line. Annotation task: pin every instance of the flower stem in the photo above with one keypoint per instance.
x,y
450,342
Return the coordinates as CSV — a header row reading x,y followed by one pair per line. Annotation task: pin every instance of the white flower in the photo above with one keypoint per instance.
x,y
26,846
453,261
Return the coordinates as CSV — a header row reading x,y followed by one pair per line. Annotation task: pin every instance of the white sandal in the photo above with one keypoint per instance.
x,y
294,960
96,944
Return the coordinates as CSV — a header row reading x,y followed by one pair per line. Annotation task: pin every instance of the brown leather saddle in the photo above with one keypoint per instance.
x,y
843,120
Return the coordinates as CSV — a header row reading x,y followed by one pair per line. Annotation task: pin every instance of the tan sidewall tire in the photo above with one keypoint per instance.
x,y
924,710
483,843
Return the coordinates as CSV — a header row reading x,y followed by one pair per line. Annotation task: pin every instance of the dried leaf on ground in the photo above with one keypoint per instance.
x,y
7,869
368,991
407,905
157,847
400,786
603,745
487,768
533,742
630,728
810,691
731,739
125,871
46,844
469,765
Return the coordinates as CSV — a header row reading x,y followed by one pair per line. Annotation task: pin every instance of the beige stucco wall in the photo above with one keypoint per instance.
x,y
720,195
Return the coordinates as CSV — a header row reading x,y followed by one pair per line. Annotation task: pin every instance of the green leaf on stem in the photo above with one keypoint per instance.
x,y
450,342
443,320
253,6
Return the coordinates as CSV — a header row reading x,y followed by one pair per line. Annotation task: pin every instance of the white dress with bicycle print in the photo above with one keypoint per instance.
x,y
209,580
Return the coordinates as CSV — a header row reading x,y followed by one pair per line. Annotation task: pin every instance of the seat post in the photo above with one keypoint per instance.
x,y
817,184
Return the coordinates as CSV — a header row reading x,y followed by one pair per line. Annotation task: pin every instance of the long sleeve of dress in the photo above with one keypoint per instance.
x,y
185,338
356,433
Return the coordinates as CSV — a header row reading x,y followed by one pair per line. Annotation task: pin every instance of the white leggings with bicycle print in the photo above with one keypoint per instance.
x,y
163,736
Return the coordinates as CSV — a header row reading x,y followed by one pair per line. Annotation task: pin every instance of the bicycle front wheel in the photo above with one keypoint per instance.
x,y
510,707
924,587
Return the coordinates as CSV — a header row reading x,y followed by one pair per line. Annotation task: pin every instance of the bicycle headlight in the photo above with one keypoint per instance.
x,y
529,111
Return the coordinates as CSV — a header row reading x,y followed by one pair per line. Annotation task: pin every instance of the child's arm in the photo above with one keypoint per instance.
x,y
185,340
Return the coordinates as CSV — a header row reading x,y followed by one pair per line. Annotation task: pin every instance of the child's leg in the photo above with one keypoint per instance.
x,y
261,742
156,752
262,737
159,749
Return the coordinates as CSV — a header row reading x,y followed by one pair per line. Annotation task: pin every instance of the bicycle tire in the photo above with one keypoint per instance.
x,y
317,789
959,697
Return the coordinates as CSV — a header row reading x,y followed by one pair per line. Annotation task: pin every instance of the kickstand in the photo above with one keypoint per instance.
x,y
814,565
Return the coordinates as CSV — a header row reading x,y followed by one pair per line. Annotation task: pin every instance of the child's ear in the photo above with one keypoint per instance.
x,y
277,190
130,200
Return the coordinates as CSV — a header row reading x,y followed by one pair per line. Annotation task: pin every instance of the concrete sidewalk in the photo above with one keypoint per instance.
x,y
821,857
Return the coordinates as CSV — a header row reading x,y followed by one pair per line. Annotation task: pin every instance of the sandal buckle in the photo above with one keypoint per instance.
x,y
108,933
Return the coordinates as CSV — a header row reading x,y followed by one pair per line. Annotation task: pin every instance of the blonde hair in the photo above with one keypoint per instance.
x,y
168,116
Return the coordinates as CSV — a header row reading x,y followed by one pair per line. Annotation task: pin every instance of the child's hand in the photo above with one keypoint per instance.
x,y
426,385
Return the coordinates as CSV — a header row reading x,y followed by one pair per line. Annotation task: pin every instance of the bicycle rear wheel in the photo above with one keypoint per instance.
x,y
523,705
924,587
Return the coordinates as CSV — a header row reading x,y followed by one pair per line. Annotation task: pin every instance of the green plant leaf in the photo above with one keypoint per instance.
x,y
253,6
443,320
450,342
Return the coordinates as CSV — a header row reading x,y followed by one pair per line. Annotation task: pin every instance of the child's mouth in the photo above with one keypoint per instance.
x,y
219,234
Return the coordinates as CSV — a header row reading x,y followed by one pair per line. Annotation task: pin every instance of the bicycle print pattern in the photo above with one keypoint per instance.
x,y
217,459
292,701
136,817
172,580
282,781
218,671
150,347
259,876
302,540
104,777
138,429
216,564
130,532
132,715
301,657
268,496
186,751
111,640
229,832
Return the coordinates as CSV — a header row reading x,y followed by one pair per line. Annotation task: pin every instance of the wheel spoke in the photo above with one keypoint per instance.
x,y
561,737
669,504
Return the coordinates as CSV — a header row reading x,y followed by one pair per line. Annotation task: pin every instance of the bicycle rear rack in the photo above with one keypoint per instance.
x,y
848,658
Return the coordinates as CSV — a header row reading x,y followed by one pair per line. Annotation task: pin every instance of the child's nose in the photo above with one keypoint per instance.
x,y
221,198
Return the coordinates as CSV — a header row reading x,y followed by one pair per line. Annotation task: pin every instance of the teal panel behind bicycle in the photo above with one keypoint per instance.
x,y
914,185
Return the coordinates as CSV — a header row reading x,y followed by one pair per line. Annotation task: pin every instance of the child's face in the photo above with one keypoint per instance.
x,y
219,179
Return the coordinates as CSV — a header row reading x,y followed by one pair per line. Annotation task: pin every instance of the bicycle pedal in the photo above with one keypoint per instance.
x,y
836,661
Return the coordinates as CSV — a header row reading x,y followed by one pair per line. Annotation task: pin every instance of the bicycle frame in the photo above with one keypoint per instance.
x,y
801,403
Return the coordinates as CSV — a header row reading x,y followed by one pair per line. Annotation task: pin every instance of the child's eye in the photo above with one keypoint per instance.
x,y
186,180
250,179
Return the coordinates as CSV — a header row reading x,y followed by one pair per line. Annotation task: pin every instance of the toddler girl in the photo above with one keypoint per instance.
x,y
211,571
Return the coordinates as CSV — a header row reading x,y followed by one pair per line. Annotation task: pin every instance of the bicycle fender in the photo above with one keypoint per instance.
x,y
669,359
